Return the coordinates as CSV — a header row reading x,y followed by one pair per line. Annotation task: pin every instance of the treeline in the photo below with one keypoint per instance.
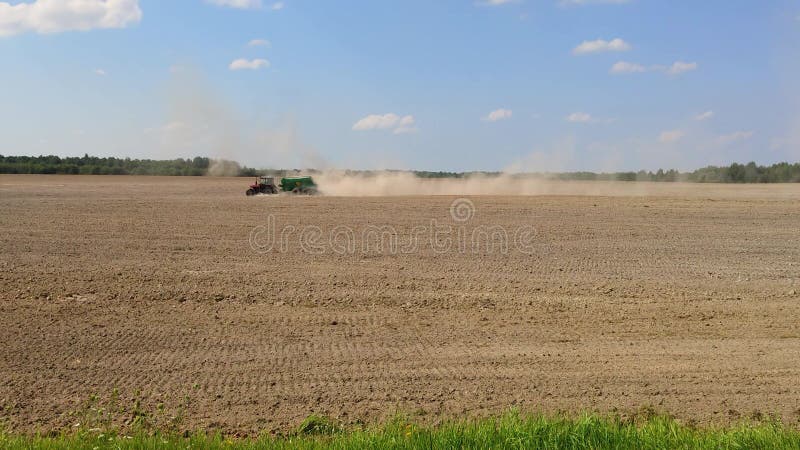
x,y
91,165
748,173
735,173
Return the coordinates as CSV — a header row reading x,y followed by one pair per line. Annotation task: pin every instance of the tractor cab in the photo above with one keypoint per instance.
x,y
263,185
262,181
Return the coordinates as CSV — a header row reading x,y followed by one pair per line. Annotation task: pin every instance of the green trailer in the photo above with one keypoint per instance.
x,y
299,185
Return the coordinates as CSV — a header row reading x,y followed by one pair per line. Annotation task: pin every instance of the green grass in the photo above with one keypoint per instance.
x,y
509,431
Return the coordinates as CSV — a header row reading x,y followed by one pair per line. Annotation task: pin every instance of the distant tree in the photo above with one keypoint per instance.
x,y
782,172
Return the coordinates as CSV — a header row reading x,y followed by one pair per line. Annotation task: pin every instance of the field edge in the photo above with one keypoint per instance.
x,y
645,428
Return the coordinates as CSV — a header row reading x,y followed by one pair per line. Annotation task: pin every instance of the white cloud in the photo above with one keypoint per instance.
x,y
100,72
600,45
734,137
498,114
580,117
627,67
238,4
495,2
388,121
277,6
377,122
407,125
591,2
259,43
671,136
243,64
704,116
679,67
55,16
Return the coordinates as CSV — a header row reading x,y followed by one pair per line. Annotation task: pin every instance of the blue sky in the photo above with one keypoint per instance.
x,y
527,85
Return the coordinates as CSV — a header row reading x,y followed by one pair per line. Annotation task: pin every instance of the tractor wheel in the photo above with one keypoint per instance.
x,y
250,192
296,190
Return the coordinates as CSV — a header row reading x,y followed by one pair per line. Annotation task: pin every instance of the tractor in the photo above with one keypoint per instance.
x,y
294,185
263,185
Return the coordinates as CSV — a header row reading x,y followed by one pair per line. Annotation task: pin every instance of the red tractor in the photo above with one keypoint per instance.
x,y
263,185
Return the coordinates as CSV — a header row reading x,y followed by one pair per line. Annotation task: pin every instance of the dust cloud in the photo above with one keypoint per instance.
x,y
223,168
375,184
200,119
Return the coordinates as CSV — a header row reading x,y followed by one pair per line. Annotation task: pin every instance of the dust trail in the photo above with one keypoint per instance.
x,y
223,168
201,120
335,183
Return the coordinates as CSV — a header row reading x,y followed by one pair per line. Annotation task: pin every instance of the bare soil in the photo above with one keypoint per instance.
x,y
147,291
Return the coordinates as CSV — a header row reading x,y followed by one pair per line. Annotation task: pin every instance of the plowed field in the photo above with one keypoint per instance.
x,y
169,294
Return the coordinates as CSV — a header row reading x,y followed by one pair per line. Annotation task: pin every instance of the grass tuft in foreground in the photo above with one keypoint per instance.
x,y
509,431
